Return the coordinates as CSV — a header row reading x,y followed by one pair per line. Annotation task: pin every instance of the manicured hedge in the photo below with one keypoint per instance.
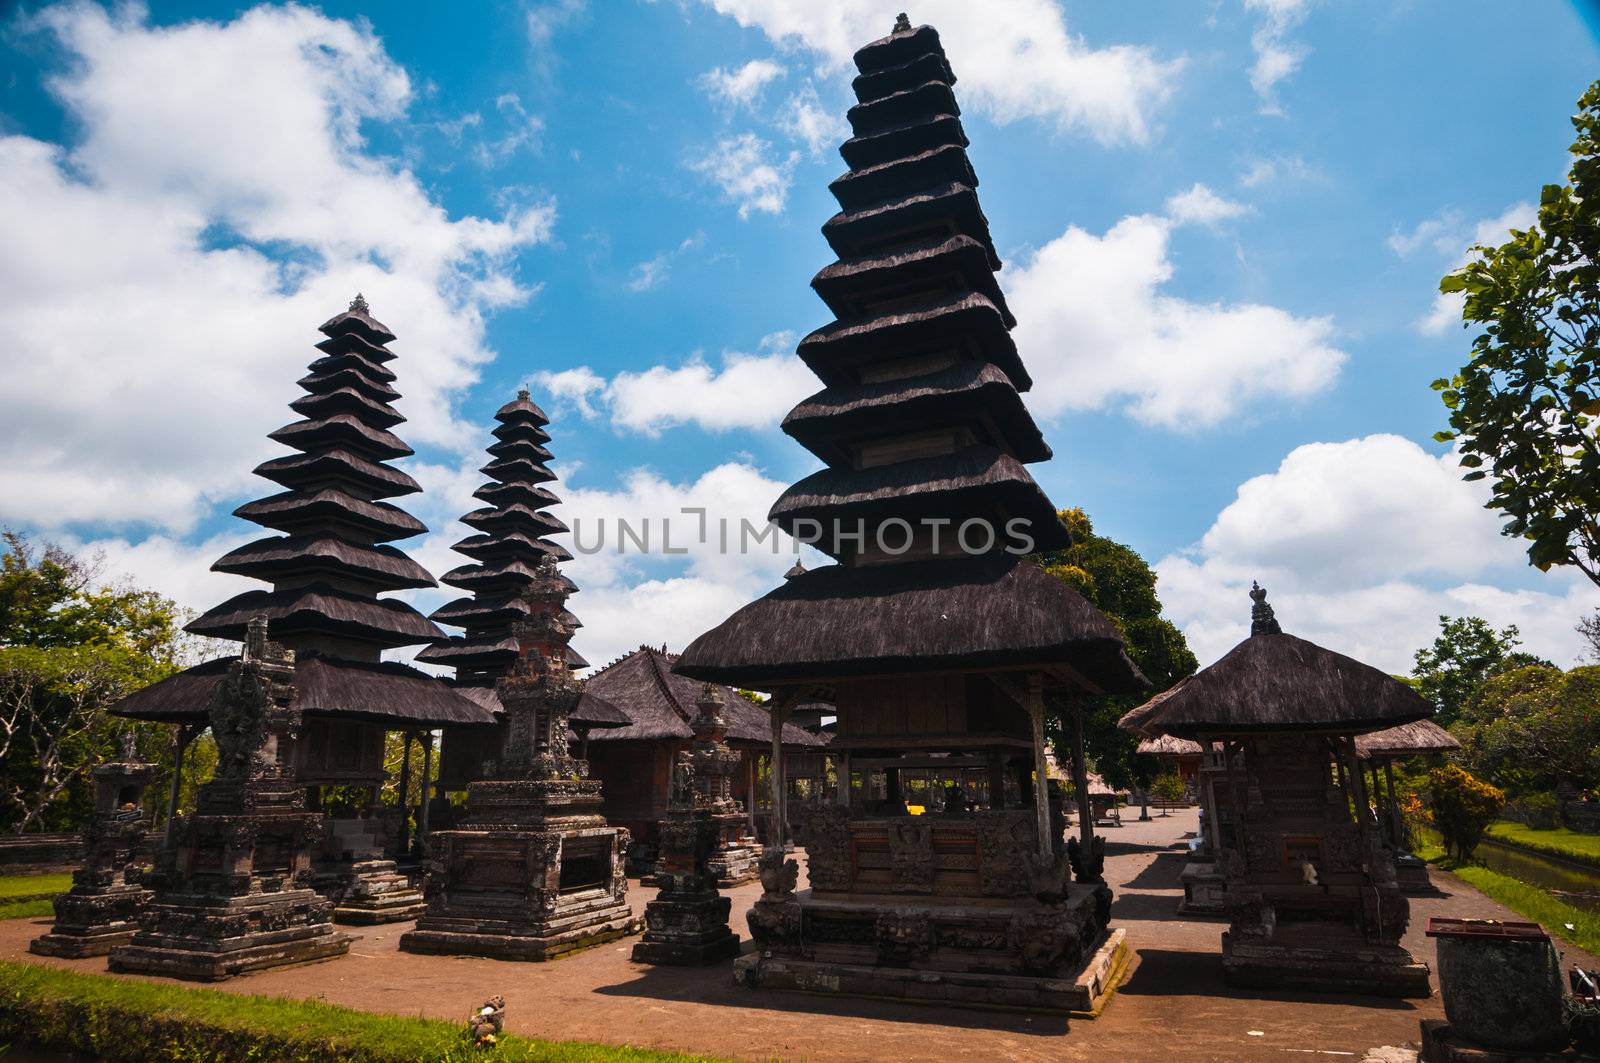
x,y
125,1021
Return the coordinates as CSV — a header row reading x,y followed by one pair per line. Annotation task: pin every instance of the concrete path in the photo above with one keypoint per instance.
x,y
1174,1005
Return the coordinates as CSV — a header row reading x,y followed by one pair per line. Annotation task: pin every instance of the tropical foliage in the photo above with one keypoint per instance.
x,y
1462,808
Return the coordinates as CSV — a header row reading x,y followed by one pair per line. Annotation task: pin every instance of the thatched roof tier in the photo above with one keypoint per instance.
x,y
503,575
358,318
381,568
485,653
967,614
327,508
948,208
383,691
493,519
879,113
853,287
897,142
659,704
1168,746
355,343
979,482
946,164
529,443
318,609
929,66
592,711
338,466
353,379
342,430
968,323
1406,740
521,410
901,46
973,394
1277,682
517,470
512,494
508,543
483,610
347,400
351,362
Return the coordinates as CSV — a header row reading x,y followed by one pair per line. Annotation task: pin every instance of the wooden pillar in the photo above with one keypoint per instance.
x,y
1359,785
842,797
427,793
778,707
182,735
403,841
1041,788
1396,835
1080,776
750,757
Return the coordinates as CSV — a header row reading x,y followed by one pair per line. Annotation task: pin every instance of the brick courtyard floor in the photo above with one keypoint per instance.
x,y
1173,1005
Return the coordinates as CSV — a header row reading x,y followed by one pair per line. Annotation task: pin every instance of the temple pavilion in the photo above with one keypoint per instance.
x,y
1308,880
328,562
937,642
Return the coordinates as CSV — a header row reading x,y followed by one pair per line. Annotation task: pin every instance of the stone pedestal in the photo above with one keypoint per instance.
x,y
734,858
1204,890
368,887
1411,874
533,872
102,909
1441,1044
233,888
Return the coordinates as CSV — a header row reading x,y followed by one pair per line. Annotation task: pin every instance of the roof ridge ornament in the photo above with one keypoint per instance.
x,y
358,305
902,24
1262,620
523,395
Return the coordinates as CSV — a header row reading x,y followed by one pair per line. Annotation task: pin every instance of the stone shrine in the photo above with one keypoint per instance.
x,y
534,871
687,922
232,889
102,908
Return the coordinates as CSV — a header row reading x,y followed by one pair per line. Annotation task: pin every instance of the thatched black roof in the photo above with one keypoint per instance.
x,y
318,609
952,207
852,286
384,691
1168,746
969,322
659,704
358,319
375,480
380,567
1277,682
330,507
1406,740
342,430
970,614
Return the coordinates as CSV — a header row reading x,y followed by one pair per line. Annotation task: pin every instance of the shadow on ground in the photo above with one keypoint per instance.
x,y
1162,874
1162,972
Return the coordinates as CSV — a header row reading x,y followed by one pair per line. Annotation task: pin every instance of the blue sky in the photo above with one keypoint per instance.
x,y
1223,224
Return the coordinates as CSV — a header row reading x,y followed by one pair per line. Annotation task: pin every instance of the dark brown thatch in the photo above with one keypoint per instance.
x,y
353,362
514,494
376,390
493,518
357,319
302,470
1277,682
969,320
897,48
952,206
528,443
904,105
384,691
342,429
659,703
327,402
293,510
318,608
523,467
383,567
973,392
946,164
504,574
355,343
929,66
1168,746
967,613
912,138
978,481
489,610
522,410
851,285
1406,740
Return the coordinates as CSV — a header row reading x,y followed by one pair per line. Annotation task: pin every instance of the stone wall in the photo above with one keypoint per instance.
x,y
1582,816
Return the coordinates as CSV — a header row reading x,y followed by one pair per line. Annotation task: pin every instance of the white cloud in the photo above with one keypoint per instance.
x,y
1442,232
805,118
1096,330
1016,58
151,338
740,166
653,272
747,391
741,86
1269,170
1362,545
1277,57
1445,312
1201,206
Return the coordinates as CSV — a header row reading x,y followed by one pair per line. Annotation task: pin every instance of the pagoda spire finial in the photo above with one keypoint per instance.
x,y
524,394
1262,619
902,24
358,305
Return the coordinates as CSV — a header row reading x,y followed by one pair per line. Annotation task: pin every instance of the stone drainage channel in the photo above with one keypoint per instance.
x,y
1565,880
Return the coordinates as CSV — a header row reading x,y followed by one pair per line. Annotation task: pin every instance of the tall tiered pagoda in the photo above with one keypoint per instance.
x,y
328,564
935,638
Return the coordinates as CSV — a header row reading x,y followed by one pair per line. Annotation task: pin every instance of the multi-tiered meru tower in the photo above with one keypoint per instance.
x,y
936,638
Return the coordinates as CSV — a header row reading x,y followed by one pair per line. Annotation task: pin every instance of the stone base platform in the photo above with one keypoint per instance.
x,y
687,954
1378,970
378,893
1439,1045
92,923
1412,875
589,922
1204,889
687,930
206,939
1083,997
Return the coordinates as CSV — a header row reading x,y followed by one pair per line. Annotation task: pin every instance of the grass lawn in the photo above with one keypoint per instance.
x,y
1572,925
33,909
27,887
121,1019
1582,848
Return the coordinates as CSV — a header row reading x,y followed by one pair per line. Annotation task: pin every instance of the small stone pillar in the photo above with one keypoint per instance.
x,y
102,909
687,923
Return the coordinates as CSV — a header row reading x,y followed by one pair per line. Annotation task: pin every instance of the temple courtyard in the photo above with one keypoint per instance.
x,y
1173,999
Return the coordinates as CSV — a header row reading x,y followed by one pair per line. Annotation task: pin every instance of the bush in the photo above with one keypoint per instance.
x,y
1463,807
1167,787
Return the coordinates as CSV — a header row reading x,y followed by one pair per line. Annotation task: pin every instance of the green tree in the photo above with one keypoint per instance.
x,y
1122,585
1523,410
1462,808
1465,653
1529,729
70,646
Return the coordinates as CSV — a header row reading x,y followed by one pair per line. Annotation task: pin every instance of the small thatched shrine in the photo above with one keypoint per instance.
x,y
1309,884
328,566
1383,748
934,639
